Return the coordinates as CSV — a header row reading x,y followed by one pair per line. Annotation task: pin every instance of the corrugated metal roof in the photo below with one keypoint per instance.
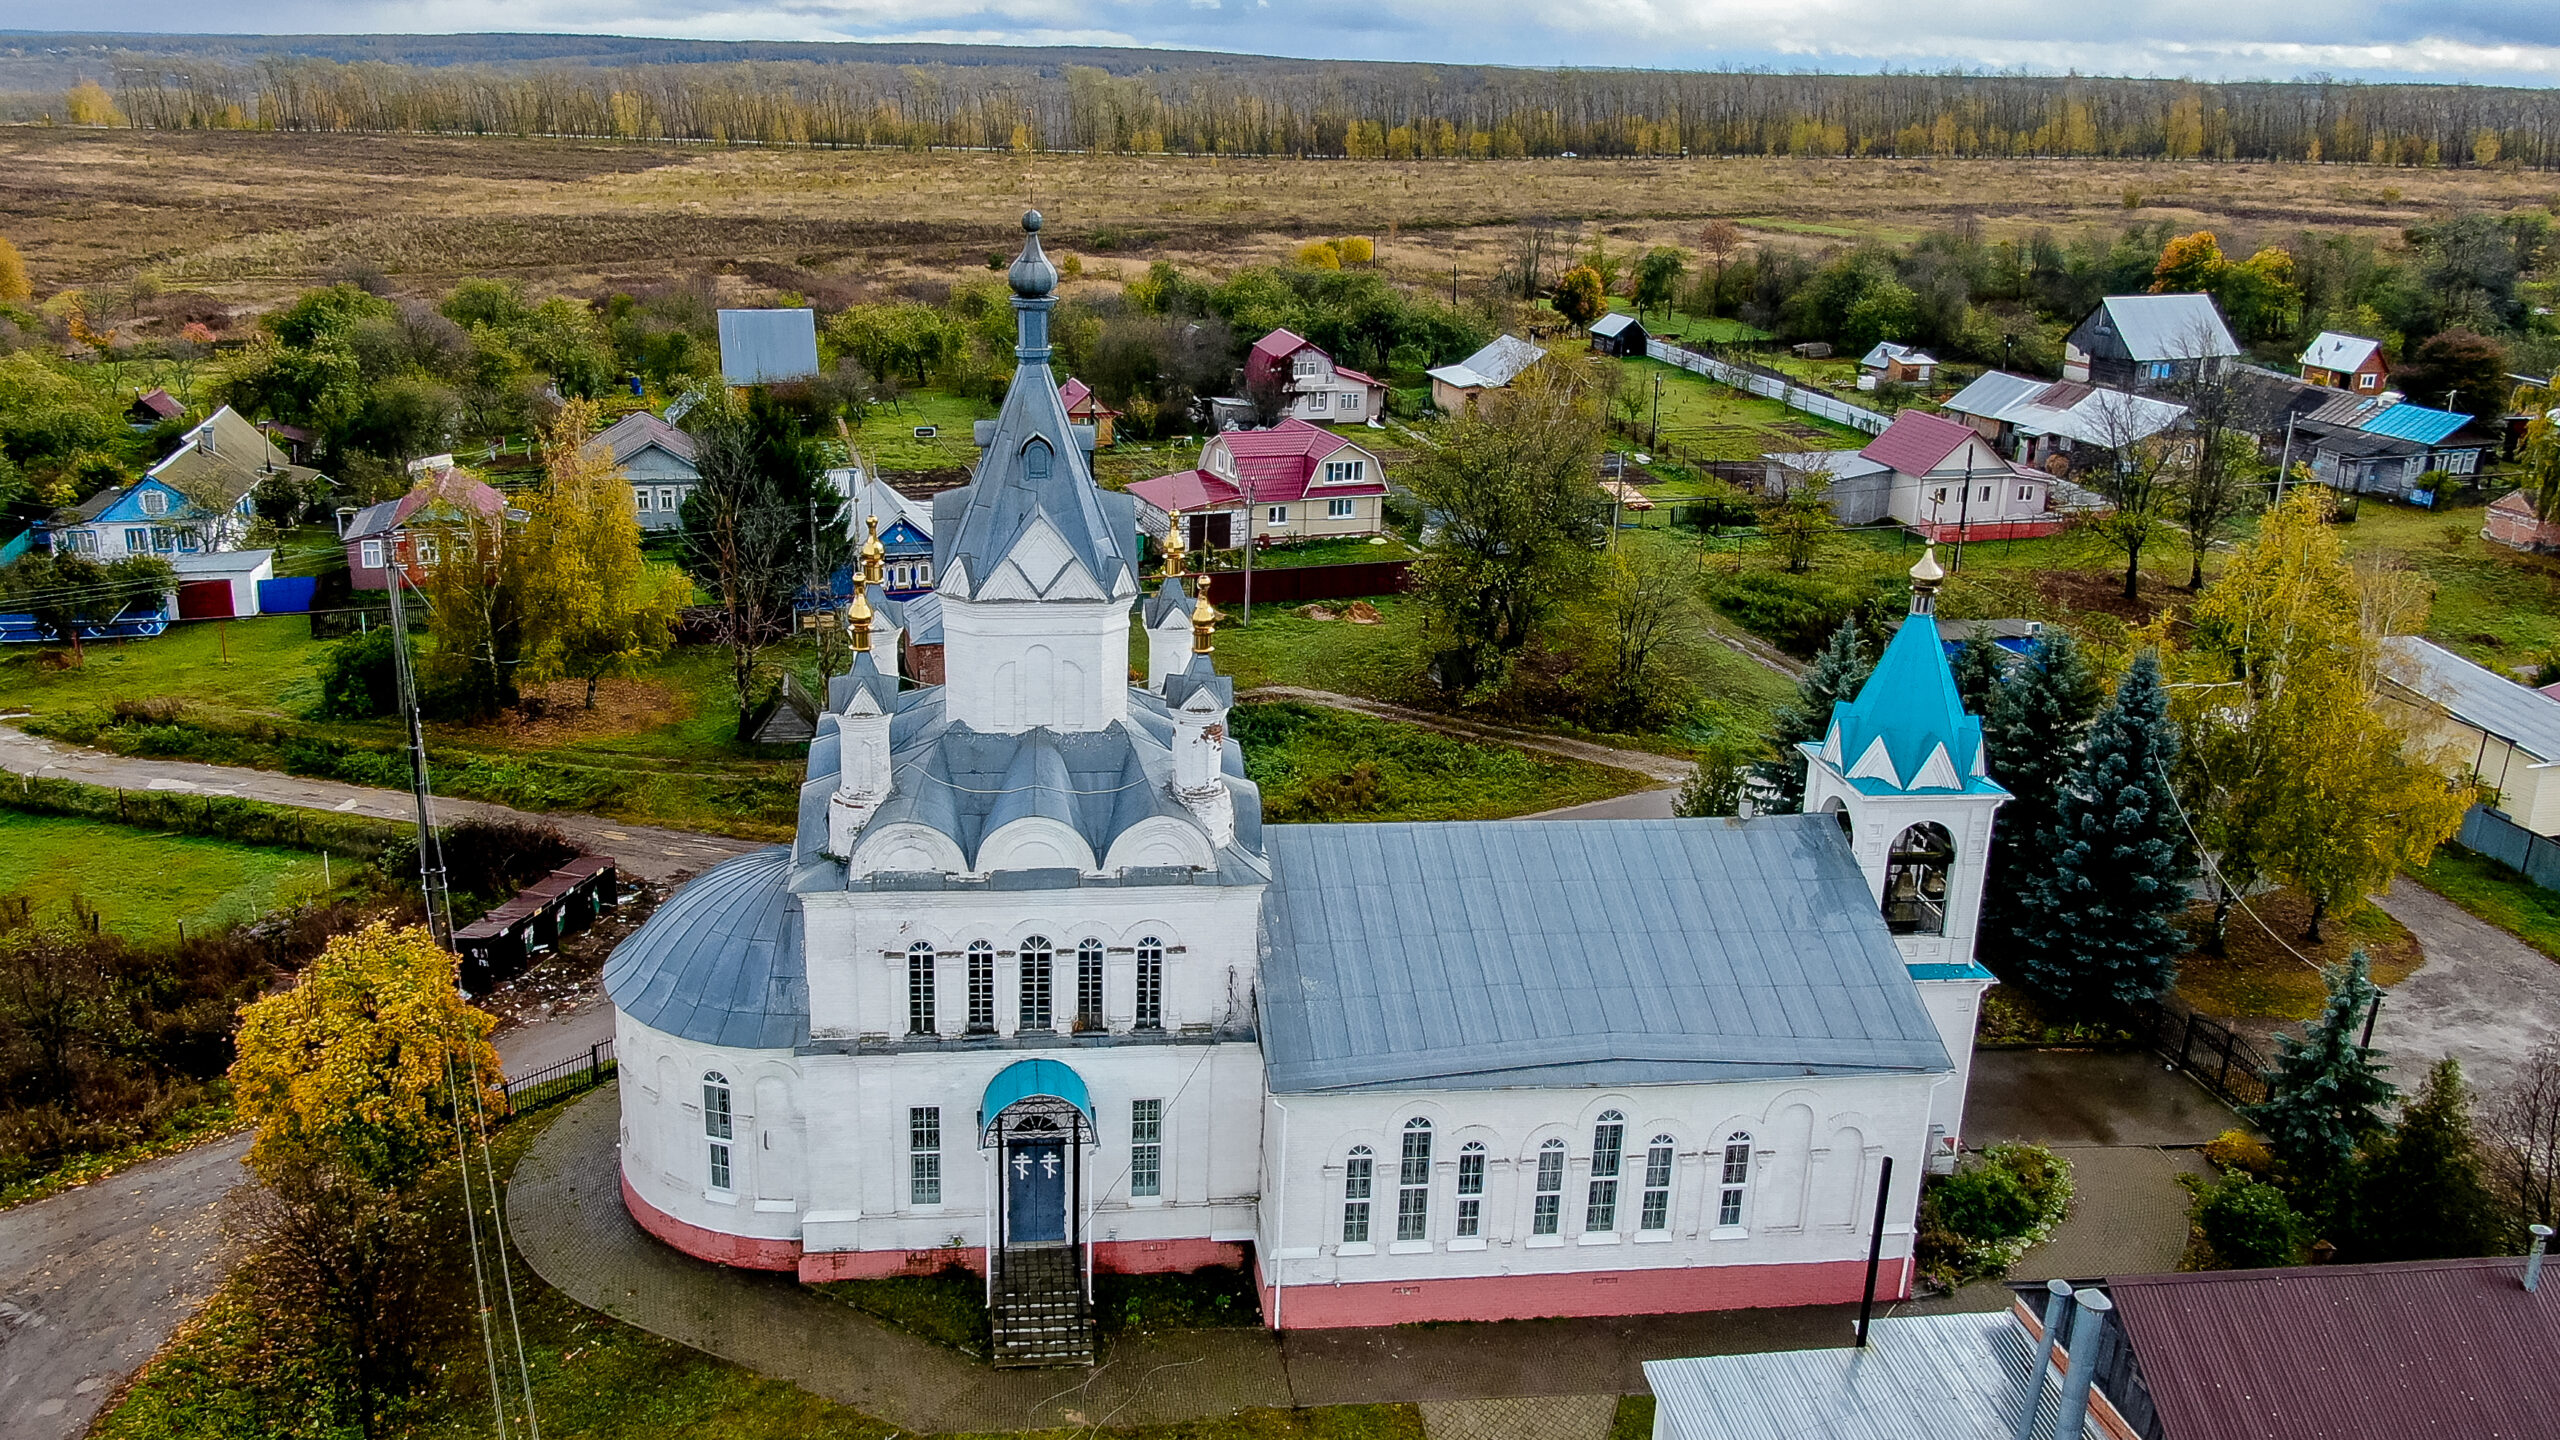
x,y
1496,953
2479,697
638,431
1496,365
2330,350
2416,422
2170,327
1612,323
1921,1377
768,347
2413,1351
1917,442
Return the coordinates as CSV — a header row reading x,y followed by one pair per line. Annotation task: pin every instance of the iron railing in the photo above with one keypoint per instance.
x,y
554,1083
2221,1058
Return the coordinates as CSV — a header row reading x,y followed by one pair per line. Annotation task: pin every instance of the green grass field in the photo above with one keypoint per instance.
x,y
1322,765
145,885
2496,894
888,439
1718,422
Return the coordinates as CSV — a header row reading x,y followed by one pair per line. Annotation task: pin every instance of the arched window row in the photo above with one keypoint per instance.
x,y
1650,1170
1057,989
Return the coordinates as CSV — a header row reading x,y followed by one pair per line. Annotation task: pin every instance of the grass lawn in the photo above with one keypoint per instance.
x,y
143,884
1315,764
593,1377
1718,422
2496,894
2492,604
2265,975
1332,550
1681,325
888,439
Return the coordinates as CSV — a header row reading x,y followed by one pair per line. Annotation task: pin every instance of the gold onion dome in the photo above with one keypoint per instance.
x,y
1173,549
1204,624
874,563
859,615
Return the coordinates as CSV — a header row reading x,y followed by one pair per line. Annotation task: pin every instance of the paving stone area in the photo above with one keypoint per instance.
x,y
2128,1214
1556,1417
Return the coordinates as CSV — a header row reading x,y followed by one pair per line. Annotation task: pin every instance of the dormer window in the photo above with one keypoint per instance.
x,y
1036,459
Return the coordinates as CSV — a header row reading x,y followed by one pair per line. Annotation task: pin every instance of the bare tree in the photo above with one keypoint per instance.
x,y
2134,476
744,539
2219,475
1720,242
2520,1131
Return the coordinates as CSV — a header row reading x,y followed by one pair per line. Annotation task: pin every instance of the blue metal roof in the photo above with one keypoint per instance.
x,y
720,961
2415,422
1487,954
766,347
1910,704
1025,1079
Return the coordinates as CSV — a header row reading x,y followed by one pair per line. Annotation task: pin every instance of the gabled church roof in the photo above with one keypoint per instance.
x,y
1032,525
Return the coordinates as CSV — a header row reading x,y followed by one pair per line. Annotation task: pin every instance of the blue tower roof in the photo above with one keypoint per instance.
x,y
1907,732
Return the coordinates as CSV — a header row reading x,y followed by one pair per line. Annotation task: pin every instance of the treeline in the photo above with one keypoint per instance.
x,y
1326,109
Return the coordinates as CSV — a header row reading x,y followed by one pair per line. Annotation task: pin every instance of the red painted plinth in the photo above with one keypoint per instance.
x,y
1670,1291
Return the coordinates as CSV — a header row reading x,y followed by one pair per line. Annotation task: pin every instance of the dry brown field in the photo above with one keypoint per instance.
x,y
251,216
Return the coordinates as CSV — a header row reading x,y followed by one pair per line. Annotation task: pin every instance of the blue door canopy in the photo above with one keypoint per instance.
x,y
1036,1080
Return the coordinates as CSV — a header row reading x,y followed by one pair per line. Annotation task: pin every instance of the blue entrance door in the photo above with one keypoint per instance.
x,y
1035,1196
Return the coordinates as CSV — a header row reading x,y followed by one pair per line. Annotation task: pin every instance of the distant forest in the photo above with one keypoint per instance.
x,y
1147,102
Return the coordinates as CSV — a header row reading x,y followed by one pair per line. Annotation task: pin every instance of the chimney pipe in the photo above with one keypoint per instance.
x,y
2057,1307
2086,1328
2533,1258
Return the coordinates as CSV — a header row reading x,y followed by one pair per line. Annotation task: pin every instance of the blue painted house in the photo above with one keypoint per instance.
x,y
219,464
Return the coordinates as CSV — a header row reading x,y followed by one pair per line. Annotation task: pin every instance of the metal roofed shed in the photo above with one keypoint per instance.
x,y
1459,955
2415,422
2414,1350
768,347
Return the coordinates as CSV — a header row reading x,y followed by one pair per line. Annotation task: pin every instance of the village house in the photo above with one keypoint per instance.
x,y
2375,446
2513,522
2345,362
658,459
439,517
1892,364
153,408
1454,388
2031,420
2473,718
2144,343
1300,481
196,500
1620,334
1941,479
1311,386
1086,408
1034,991
905,531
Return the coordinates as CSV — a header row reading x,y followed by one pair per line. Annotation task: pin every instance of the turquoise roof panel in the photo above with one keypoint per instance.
x,y
2415,422
1031,1079
1910,704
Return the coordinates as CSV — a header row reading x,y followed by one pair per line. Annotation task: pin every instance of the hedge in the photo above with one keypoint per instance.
x,y
223,817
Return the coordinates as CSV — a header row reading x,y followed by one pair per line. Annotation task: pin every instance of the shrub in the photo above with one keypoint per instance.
x,y
359,678
2240,1151
1976,1222
1795,612
2244,1224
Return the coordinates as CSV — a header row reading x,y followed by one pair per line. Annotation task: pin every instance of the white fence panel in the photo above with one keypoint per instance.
x,y
1794,397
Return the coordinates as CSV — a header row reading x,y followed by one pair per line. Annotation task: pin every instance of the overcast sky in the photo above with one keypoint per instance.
x,y
2490,41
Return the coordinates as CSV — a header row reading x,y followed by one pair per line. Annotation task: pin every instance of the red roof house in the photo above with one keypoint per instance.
x,y
1315,387
415,531
1084,408
1947,482
1301,482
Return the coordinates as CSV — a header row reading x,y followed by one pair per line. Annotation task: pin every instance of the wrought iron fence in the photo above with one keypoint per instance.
x,y
2227,1063
554,1083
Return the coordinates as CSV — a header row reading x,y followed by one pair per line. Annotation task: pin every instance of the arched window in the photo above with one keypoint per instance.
x,y
1608,1150
715,1124
1089,985
982,987
1036,458
1357,1175
1471,1190
1735,1178
1915,880
1413,1182
920,988
1657,1185
1036,956
1151,984
1840,812
1546,1215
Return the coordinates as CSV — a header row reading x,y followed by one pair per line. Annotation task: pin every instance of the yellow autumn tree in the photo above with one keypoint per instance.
x,y
88,103
1320,255
1355,249
14,283
2296,772
593,606
354,1072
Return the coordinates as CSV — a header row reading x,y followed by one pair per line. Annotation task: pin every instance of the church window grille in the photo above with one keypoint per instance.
x,y
1657,1185
920,988
715,1124
1089,985
1915,880
1546,1215
1036,957
1471,1190
1151,984
982,988
1736,1177
1356,1175
1146,1147
924,1155
1608,1149
1413,1182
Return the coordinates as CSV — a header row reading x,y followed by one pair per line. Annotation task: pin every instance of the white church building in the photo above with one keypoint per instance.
x,y
1036,992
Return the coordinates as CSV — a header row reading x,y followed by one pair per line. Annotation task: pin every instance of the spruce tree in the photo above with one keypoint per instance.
x,y
2031,734
2102,923
2419,1193
2325,1094
1979,667
1836,674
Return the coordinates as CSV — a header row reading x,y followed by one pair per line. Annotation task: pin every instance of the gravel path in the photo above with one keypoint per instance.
x,y
2483,996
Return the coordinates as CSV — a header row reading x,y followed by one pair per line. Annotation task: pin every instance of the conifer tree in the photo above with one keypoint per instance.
x,y
2031,734
1979,667
2101,927
2420,1194
2325,1094
1837,672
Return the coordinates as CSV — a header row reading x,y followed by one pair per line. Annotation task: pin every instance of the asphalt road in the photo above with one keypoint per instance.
x,y
640,850
2483,996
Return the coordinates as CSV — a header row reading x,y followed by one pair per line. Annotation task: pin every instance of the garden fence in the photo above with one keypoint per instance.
x,y
1296,584
2536,857
2227,1062
1769,384
554,1083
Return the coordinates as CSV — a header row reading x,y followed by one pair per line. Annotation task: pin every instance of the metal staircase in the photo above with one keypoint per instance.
x,y
1039,1316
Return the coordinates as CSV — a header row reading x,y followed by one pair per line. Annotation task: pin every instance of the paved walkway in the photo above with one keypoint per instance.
x,y
644,851
1665,768
2483,996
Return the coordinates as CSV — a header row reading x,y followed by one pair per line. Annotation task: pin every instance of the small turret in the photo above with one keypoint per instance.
x,y
1168,614
1200,698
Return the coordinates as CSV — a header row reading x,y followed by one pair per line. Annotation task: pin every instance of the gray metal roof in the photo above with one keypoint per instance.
x,y
1489,954
2169,327
2479,697
924,619
1613,322
639,430
768,347
720,961
1921,1377
1496,365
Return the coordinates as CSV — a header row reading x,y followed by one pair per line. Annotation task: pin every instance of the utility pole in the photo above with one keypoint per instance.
x,y
431,881
1656,441
2285,465
1964,508
1248,561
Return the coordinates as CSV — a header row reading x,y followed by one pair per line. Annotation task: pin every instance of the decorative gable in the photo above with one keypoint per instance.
x,y
1876,763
